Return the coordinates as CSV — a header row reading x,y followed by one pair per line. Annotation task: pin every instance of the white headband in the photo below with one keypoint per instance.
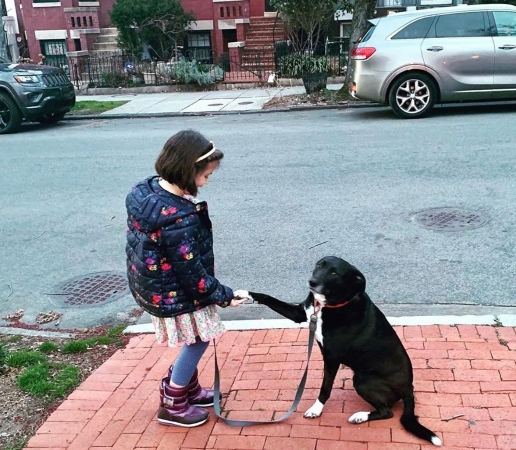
x,y
207,154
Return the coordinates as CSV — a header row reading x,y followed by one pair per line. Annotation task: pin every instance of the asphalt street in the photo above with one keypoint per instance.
x,y
293,187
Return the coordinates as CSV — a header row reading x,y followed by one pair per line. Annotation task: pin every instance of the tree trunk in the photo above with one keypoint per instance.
x,y
363,10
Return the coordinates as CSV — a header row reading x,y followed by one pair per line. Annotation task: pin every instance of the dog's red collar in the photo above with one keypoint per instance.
x,y
317,305
340,305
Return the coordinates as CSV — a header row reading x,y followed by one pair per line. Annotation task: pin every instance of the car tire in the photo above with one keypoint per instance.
x,y
412,95
10,115
48,119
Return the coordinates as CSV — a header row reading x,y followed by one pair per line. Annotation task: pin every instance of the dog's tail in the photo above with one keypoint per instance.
x,y
412,425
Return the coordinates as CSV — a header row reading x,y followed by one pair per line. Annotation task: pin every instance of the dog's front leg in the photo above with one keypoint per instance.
x,y
330,372
292,311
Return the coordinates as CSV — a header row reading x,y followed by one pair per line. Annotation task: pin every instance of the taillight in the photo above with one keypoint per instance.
x,y
362,53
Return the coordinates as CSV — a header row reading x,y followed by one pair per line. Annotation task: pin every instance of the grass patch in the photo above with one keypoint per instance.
x,y
112,336
94,107
19,446
3,356
48,347
75,347
49,380
24,358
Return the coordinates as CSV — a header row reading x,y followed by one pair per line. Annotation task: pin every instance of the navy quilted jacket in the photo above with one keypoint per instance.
x,y
170,252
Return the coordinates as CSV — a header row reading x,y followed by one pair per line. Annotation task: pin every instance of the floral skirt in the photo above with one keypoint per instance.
x,y
204,323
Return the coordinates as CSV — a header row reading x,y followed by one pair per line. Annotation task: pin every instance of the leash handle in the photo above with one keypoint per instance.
x,y
297,398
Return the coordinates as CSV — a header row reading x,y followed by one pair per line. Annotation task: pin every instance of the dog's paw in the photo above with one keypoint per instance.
x,y
314,411
241,293
256,297
359,417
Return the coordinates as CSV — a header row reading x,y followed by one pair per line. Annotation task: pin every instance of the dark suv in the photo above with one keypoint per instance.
x,y
34,93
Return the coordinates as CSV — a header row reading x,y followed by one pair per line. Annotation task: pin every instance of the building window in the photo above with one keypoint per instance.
x,y
198,46
54,52
45,1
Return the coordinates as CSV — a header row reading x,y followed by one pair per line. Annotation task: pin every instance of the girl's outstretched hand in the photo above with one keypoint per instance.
x,y
237,301
240,297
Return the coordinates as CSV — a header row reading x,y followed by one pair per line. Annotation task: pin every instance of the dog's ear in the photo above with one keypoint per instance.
x,y
360,282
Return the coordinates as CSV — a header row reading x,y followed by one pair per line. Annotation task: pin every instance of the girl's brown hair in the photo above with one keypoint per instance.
x,y
177,161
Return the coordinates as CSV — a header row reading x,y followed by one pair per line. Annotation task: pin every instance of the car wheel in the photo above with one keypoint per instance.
x,y
10,115
51,118
412,95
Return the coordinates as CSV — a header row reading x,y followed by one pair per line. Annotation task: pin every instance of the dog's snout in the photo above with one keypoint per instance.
x,y
312,283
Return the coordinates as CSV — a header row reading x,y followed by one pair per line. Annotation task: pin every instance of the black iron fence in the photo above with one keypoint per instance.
x,y
126,70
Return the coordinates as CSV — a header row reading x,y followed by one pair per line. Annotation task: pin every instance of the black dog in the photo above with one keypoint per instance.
x,y
352,331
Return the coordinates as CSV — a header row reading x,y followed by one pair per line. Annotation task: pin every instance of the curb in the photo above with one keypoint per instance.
x,y
221,113
41,333
507,320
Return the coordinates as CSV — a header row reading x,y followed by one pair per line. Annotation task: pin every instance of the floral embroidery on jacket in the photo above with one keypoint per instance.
x,y
155,236
201,286
168,211
186,251
151,264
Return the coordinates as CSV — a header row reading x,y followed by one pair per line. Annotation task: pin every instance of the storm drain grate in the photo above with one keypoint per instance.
x,y
93,289
450,219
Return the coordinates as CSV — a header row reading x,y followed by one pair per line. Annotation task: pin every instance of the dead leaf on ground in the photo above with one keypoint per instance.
x,y
17,315
48,317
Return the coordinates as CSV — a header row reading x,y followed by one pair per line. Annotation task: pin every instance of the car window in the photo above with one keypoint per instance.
x,y
505,23
415,30
367,33
461,25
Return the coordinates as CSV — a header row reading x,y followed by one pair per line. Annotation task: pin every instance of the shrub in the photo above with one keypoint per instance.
x,y
113,79
297,64
191,71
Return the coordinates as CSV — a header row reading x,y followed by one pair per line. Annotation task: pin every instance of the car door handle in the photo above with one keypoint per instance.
x,y
435,48
508,47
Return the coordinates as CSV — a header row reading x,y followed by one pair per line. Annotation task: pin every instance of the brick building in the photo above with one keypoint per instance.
x,y
56,28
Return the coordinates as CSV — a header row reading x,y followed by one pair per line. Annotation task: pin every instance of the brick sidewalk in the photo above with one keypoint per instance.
x,y
465,369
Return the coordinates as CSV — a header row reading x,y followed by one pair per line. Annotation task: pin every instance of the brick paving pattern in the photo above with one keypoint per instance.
x,y
458,370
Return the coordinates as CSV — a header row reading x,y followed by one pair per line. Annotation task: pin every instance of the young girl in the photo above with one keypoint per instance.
x,y
170,268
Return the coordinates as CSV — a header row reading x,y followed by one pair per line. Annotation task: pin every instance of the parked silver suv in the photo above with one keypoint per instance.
x,y
412,60
32,92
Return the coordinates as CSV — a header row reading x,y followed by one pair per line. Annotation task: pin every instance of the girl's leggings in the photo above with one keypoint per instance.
x,y
187,360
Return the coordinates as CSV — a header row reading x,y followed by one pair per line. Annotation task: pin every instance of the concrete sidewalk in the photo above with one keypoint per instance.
x,y
238,100
465,382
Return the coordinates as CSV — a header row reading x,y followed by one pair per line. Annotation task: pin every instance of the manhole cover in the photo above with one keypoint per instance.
x,y
246,103
92,290
215,104
450,219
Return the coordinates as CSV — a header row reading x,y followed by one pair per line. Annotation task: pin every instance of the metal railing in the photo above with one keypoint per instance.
x,y
126,70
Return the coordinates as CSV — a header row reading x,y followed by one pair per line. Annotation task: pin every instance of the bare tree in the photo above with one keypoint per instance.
x,y
306,21
157,24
